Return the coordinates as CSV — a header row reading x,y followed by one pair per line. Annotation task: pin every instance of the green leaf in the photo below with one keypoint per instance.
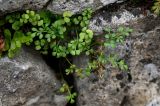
x,y
120,29
86,22
13,45
33,35
85,18
68,98
18,44
78,52
2,22
37,42
67,14
75,20
27,11
79,18
11,20
72,101
25,21
43,42
90,33
16,25
108,30
21,20
34,29
40,23
26,16
38,47
46,16
66,19
37,16
107,36
40,36
62,89
73,52
32,13
7,35
82,24
82,35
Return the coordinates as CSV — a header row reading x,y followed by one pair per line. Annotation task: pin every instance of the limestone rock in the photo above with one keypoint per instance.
x,y
55,6
107,18
76,6
18,5
26,80
140,85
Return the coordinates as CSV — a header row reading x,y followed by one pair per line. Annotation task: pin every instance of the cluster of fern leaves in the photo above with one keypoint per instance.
x,y
61,35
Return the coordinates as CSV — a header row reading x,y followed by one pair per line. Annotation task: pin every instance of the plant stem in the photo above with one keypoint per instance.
x,y
68,61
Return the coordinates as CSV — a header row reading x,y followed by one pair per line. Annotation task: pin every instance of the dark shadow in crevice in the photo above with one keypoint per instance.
x,y
46,5
125,101
59,65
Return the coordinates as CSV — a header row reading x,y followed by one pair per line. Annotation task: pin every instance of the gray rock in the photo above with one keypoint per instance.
x,y
76,6
18,5
140,85
56,6
154,102
97,92
113,19
151,71
26,80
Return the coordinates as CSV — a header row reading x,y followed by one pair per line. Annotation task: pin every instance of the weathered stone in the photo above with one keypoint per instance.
x,y
26,80
76,6
140,85
18,5
154,102
106,18
99,92
55,6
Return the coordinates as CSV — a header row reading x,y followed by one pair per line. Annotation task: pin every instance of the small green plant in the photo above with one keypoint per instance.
x,y
15,43
156,7
19,36
116,37
112,39
116,62
63,35
59,34
71,96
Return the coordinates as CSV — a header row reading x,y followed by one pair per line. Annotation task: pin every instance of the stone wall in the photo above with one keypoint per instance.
x,y
56,6
27,80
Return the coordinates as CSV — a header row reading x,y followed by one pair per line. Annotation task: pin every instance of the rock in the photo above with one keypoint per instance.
x,y
140,85
55,6
18,5
76,6
140,94
26,80
106,18
150,72
154,102
99,92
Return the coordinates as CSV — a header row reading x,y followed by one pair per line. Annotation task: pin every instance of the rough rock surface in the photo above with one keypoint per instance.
x,y
56,6
18,5
138,87
114,18
26,80
59,6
